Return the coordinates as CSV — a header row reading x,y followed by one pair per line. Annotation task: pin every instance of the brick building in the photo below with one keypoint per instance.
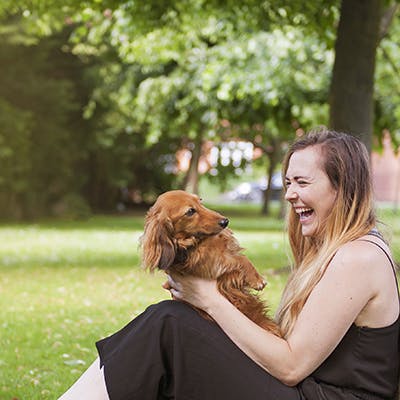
x,y
386,172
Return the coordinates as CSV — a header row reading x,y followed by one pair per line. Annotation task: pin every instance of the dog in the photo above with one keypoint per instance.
x,y
183,236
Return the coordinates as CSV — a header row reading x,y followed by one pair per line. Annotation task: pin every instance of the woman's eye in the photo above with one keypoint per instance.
x,y
190,212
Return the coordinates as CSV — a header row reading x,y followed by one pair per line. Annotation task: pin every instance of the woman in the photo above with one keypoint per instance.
x,y
339,312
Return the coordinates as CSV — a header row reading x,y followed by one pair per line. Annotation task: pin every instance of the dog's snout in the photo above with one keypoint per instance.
x,y
223,223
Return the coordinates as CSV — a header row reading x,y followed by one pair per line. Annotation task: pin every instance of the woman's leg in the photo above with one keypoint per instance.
x,y
90,386
171,352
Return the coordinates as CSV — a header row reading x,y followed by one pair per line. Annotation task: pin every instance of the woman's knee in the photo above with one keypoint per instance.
x,y
178,315
173,308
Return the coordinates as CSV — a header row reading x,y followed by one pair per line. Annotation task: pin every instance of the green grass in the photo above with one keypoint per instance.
x,y
66,284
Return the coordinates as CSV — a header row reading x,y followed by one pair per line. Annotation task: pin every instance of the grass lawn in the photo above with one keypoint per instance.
x,y
66,284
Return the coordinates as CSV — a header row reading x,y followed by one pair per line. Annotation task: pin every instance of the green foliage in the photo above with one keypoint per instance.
x,y
38,149
46,138
215,18
113,89
184,69
387,87
15,147
260,87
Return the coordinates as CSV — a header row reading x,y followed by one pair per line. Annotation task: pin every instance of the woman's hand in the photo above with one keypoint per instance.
x,y
197,291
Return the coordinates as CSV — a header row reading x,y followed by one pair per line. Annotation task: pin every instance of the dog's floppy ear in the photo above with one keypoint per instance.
x,y
157,242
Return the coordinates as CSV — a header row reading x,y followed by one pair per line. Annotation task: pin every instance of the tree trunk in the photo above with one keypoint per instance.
x,y
273,161
282,206
351,92
191,180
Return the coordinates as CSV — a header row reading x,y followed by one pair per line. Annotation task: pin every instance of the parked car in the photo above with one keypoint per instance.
x,y
254,191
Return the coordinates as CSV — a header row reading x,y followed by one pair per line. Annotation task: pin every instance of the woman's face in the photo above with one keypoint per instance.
x,y
309,189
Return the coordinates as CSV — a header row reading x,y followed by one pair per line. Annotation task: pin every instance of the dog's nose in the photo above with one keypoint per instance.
x,y
223,222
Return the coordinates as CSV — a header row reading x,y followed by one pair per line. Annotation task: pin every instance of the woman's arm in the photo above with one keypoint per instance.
x,y
352,280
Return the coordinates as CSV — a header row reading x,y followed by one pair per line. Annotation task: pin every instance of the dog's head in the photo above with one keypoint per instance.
x,y
177,221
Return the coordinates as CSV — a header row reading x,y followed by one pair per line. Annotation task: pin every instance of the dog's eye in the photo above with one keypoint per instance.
x,y
190,212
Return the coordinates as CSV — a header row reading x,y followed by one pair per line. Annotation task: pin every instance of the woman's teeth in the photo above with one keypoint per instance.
x,y
304,212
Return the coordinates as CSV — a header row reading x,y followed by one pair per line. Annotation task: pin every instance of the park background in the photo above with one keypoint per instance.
x,y
106,104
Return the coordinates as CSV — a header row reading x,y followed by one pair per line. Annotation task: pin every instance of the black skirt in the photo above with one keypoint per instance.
x,y
171,352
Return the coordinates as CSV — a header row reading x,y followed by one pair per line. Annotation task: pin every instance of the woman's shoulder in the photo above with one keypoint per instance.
x,y
368,251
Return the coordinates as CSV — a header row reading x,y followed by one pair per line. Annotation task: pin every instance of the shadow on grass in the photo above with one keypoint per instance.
x,y
62,262
241,218
120,222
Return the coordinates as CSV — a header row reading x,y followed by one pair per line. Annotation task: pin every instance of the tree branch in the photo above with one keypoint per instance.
x,y
387,19
389,59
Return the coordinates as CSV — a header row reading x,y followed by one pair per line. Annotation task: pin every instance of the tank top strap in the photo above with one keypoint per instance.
x,y
378,235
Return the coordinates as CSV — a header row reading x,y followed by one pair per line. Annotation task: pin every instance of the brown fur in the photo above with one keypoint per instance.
x,y
183,236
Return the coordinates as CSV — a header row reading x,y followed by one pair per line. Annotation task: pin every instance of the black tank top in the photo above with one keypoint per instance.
x,y
364,365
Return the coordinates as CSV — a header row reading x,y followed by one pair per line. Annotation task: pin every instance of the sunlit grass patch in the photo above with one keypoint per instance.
x,y
52,317
34,245
66,284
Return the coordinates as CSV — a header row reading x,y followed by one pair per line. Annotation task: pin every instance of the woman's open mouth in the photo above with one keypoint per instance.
x,y
304,213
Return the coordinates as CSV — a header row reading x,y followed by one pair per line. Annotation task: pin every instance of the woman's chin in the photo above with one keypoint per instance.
x,y
308,230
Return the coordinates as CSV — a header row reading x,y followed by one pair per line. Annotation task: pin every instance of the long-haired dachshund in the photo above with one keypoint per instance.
x,y
183,236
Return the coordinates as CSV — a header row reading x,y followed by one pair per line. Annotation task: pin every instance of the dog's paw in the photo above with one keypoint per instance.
x,y
251,276
260,285
257,282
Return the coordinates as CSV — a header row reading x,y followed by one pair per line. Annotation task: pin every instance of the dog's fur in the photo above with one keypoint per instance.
x,y
183,236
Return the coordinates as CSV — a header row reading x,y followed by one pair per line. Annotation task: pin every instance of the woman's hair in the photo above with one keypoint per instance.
x,y
346,163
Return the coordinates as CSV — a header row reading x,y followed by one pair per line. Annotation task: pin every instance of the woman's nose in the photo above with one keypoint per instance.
x,y
290,194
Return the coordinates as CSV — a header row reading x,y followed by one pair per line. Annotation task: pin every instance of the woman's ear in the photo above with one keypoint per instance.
x,y
157,242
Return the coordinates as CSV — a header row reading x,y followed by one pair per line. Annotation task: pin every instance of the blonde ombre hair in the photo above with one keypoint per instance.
x,y
346,163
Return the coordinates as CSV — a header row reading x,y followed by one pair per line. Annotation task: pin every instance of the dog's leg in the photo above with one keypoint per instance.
x,y
251,276
233,287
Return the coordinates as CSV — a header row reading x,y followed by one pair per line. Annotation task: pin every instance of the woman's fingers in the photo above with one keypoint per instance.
x,y
173,287
169,283
193,290
175,294
166,285
174,282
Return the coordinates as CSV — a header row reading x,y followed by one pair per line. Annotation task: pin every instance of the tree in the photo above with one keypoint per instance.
x,y
175,25
15,160
387,81
121,158
352,85
167,73
55,122
38,107
262,95
175,98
